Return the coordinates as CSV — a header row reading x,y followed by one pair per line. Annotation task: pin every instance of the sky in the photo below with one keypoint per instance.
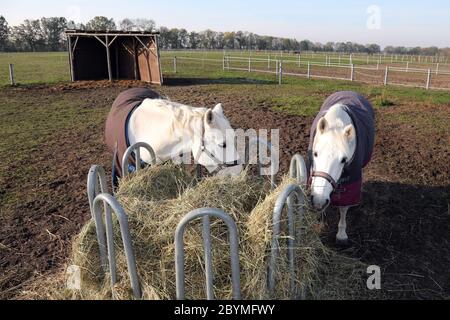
x,y
400,23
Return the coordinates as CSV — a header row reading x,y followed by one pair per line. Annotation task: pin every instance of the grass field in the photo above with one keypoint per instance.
x,y
35,68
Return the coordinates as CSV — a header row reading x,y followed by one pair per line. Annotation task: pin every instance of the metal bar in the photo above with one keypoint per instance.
x,y
109,200
291,190
298,170
208,257
135,147
11,74
234,249
96,184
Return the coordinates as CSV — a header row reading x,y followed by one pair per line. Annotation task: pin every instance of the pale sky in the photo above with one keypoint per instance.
x,y
403,23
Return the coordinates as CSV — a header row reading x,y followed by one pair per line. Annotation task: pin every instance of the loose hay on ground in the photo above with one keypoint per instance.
x,y
155,200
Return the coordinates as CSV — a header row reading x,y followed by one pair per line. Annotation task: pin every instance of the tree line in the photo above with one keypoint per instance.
x,y
47,34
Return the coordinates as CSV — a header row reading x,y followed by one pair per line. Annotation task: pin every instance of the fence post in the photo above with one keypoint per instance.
x,y
268,62
223,63
280,73
249,64
299,61
175,64
11,74
407,66
428,79
352,73
309,70
437,68
386,76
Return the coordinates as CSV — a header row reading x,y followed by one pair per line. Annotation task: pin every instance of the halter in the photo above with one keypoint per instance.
x,y
321,174
210,154
325,176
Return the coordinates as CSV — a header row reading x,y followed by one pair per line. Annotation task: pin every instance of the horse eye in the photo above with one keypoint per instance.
x,y
344,160
315,154
223,145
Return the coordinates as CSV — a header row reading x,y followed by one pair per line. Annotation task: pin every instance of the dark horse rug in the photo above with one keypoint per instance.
x,y
348,191
116,136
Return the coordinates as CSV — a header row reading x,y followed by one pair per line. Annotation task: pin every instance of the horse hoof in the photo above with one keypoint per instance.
x,y
342,242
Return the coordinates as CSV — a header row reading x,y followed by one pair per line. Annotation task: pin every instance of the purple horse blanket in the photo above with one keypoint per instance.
x,y
348,191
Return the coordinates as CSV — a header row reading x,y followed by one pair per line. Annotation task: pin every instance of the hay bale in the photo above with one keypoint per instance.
x,y
156,199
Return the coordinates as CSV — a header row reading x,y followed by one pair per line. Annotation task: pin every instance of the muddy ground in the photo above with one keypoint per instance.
x,y
403,224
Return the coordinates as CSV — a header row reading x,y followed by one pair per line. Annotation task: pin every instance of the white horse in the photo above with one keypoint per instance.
x,y
341,145
175,130
334,145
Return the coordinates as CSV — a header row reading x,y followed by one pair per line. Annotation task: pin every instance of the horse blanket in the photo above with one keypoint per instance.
x,y
348,192
116,136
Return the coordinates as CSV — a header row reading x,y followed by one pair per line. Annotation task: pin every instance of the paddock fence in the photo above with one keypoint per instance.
x,y
379,74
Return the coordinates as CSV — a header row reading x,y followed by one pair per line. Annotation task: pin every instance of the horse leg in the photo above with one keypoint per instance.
x,y
341,237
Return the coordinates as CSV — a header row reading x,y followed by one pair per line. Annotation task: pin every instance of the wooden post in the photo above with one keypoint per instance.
x,y
135,57
109,59
223,62
72,76
175,64
309,70
249,64
117,60
407,66
268,62
437,68
352,73
386,76
428,79
11,74
299,61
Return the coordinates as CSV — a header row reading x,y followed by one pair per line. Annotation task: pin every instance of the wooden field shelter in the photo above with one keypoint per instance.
x,y
114,55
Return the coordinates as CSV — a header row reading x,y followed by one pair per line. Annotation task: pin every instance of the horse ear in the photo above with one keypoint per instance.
x,y
218,109
209,117
349,132
322,126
